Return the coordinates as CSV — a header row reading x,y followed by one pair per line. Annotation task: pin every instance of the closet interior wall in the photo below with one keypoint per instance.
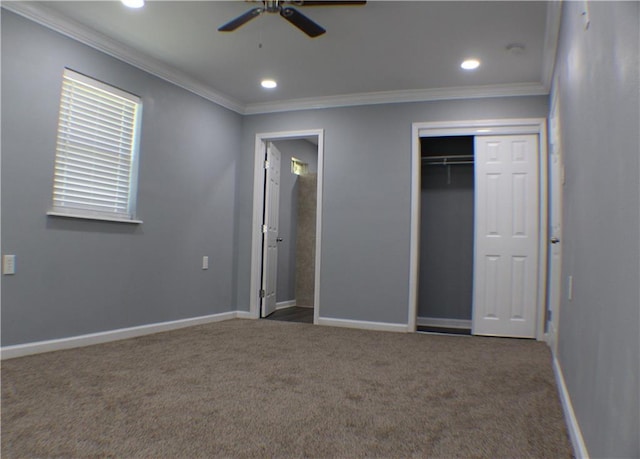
x,y
446,228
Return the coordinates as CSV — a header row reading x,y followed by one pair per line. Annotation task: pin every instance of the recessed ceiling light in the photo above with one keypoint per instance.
x,y
133,3
470,64
268,84
481,131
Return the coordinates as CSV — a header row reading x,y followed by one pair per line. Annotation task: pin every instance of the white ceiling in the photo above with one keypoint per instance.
x,y
383,51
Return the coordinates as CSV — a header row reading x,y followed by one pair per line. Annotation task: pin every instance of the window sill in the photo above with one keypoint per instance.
x,y
105,218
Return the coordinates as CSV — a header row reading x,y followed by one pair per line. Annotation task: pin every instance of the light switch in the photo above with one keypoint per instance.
x,y
205,262
8,264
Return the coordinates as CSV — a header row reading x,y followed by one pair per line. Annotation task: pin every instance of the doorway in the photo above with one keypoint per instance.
x,y
287,215
488,139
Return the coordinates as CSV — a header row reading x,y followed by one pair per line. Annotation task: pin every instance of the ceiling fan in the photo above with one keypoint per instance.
x,y
283,8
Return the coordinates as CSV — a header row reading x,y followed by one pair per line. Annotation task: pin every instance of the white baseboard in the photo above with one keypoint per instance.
x,y
21,350
245,315
362,324
579,448
445,323
285,304
551,338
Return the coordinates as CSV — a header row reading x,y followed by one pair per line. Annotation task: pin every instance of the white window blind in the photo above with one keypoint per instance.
x,y
96,153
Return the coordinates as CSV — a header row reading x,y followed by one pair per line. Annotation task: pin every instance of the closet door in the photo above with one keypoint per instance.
x,y
506,240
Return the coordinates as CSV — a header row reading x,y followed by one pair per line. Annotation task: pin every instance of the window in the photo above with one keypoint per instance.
x,y
96,152
298,167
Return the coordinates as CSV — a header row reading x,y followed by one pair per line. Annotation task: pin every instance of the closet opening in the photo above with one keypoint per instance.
x,y
445,293
503,268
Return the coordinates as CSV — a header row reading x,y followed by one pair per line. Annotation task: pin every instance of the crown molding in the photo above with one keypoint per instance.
x,y
551,36
404,96
55,21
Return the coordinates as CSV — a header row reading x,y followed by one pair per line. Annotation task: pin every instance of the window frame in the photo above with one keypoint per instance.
x,y
94,214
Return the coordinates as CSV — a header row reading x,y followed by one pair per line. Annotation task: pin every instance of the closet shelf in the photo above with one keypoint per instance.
x,y
451,160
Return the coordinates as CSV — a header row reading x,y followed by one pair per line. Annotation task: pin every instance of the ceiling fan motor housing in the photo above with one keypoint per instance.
x,y
292,15
272,6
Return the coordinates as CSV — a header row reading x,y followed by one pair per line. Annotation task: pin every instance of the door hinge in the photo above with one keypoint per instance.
x,y
264,229
262,293
266,164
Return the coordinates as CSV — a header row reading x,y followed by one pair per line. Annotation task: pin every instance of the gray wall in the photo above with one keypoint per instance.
x,y
366,202
76,277
195,197
599,336
307,152
446,242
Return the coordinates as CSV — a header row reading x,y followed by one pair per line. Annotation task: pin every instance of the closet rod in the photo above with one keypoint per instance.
x,y
447,157
457,163
447,160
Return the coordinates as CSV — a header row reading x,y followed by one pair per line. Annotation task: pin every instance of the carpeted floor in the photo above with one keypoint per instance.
x,y
257,388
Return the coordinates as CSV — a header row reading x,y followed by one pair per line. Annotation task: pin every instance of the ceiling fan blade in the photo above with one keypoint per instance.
x,y
240,20
329,2
301,22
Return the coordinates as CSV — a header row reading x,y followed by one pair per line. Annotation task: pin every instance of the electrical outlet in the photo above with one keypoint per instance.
x,y
205,262
8,264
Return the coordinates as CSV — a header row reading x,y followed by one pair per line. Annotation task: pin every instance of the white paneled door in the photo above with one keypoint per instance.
x,y
507,236
270,230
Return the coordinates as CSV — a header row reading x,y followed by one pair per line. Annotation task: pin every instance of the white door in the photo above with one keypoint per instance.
x,y
507,232
556,179
270,230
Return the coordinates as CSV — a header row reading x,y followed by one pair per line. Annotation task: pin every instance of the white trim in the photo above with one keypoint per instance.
x,y
472,127
59,23
414,230
543,230
579,447
245,315
258,203
318,252
361,324
555,198
551,337
393,97
445,323
80,216
56,21
285,304
21,350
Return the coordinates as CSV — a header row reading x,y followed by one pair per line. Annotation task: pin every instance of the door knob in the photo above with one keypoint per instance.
x,y
279,239
555,240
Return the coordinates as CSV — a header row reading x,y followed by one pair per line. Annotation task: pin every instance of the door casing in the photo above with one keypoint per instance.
x,y
556,173
478,128
261,140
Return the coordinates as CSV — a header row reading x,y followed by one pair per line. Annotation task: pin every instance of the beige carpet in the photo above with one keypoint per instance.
x,y
247,388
